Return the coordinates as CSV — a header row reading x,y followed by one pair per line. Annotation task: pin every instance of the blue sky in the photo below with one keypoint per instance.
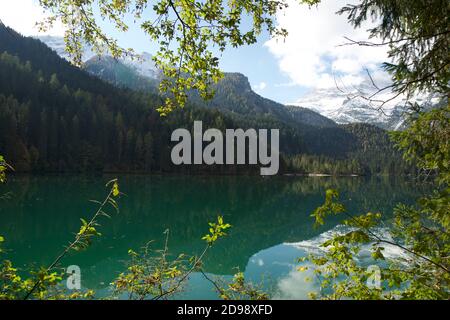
x,y
310,58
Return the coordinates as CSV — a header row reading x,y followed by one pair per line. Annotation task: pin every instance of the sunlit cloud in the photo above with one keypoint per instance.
x,y
23,15
260,86
312,55
296,285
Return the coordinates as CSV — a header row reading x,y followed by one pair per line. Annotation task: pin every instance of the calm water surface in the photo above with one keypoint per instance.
x,y
270,217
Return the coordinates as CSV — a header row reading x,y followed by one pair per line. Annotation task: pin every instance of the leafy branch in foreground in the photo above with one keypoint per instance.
x,y
4,167
152,275
421,233
416,35
185,32
45,282
237,289
83,240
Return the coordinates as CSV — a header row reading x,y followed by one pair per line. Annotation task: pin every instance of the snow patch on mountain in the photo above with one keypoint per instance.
x,y
349,105
58,45
143,65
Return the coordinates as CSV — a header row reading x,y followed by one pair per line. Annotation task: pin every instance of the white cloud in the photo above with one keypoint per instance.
x,y
311,55
259,262
296,285
346,65
22,16
260,87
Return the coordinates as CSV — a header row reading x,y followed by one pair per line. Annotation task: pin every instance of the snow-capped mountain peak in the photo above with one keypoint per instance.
x,y
350,105
143,65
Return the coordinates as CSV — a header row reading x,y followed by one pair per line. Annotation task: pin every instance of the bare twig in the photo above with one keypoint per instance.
x,y
184,277
380,240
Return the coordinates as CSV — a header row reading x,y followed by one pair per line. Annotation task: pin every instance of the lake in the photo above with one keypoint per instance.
x,y
271,222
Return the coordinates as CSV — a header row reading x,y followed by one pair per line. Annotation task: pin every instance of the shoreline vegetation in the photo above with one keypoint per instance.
x,y
320,175
208,174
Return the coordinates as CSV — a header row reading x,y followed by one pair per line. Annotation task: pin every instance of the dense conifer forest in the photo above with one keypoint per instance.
x,y
55,117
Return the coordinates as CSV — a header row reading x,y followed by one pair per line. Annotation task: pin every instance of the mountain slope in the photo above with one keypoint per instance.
x,y
305,115
46,61
58,45
143,65
233,94
120,74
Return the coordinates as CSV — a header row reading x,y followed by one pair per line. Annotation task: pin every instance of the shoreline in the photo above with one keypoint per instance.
x,y
320,175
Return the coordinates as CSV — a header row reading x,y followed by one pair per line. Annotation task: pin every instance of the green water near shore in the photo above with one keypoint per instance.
x,y
269,216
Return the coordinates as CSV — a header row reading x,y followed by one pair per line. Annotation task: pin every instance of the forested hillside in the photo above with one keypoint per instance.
x,y
233,94
56,117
